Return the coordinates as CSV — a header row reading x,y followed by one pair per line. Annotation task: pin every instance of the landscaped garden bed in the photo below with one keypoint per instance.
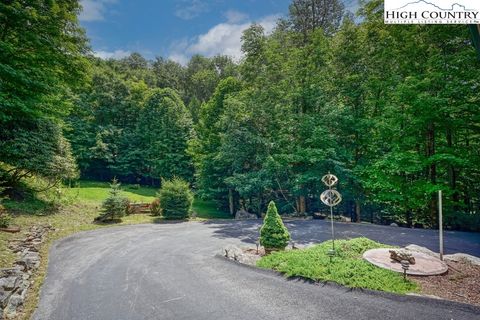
x,y
347,267
461,283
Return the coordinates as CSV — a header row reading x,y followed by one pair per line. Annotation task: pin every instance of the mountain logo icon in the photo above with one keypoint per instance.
x,y
428,3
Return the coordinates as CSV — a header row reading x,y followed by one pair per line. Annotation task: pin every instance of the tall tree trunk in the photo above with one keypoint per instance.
x,y
358,211
432,170
452,172
230,202
302,204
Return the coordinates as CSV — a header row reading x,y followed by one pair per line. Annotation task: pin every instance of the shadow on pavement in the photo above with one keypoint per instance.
x,y
315,231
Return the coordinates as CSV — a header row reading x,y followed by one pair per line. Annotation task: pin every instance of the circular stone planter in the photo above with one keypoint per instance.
x,y
425,265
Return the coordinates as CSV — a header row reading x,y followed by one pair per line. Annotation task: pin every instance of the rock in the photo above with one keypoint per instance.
x,y
29,261
232,252
4,296
393,225
9,283
14,282
11,308
320,216
462,257
243,256
402,255
414,247
244,215
10,272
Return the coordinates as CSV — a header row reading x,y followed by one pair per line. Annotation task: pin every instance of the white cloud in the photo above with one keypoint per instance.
x,y
234,16
117,54
94,10
179,58
222,39
190,9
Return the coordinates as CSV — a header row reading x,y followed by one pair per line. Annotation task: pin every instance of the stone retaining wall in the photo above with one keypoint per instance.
x,y
14,282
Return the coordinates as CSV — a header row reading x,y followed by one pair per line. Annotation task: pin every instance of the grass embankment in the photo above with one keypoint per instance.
x,y
80,206
348,268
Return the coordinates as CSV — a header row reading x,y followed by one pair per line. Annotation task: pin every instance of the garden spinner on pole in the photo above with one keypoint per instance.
x,y
331,198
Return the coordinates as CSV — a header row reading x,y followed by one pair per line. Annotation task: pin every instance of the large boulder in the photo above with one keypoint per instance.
x,y
414,247
244,215
457,257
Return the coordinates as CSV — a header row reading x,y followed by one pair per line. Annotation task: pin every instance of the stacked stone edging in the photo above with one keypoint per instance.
x,y
14,282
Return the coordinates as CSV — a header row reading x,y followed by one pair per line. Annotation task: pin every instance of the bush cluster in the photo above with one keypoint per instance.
x,y
155,208
175,199
5,218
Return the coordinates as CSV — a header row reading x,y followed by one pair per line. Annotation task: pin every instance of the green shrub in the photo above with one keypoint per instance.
x,y
5,218
155,208
175,199
273,234
115,206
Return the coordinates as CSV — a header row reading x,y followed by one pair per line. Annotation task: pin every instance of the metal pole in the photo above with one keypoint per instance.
x,y
331,220
333,232
440,222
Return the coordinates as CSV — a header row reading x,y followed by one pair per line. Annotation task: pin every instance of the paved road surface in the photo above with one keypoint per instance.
x,y
169,271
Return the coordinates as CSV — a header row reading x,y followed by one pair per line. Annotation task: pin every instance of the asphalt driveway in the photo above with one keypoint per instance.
x,y
169,271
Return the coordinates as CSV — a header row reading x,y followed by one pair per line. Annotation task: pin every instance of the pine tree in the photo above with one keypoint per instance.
x,y
114,207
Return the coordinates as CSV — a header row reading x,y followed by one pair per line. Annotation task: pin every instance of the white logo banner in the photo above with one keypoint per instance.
x,y
432,11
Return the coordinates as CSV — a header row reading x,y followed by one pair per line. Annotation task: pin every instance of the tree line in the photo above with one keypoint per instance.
x,y
392,110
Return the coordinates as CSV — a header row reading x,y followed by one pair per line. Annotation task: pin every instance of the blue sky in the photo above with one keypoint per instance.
x,y
176,29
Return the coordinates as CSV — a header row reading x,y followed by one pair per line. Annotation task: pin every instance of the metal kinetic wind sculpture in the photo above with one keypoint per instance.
x,y
331,198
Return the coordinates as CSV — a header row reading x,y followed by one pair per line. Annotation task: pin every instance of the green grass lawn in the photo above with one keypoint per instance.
x,y
96,192
348,268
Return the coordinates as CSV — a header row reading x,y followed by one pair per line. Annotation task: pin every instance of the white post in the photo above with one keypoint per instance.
x,y
440,222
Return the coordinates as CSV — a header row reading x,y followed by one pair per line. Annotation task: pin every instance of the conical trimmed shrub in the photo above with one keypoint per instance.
x,y
273,234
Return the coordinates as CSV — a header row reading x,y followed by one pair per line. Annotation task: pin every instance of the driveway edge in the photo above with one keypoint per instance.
x,y
387,295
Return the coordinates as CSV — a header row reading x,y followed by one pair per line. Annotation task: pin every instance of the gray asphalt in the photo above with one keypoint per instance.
x,y
169,271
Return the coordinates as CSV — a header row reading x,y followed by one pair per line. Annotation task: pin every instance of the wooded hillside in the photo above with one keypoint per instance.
x,y
392,110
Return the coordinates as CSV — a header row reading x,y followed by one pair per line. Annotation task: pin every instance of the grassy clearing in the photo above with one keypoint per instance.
x,y
348,268
96,192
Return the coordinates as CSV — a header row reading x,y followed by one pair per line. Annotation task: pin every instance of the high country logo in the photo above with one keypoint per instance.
x,y
432,12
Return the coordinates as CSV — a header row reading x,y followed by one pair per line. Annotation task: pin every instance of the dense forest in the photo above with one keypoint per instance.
x,y
392,110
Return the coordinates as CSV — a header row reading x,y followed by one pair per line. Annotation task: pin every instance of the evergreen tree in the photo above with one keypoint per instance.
x,y
175,199
165,128
273,234
115,206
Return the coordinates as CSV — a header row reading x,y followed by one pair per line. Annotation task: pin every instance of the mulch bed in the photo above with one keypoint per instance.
x,y
461,283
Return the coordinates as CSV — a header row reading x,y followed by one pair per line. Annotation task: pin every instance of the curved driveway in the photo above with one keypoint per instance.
x,y
168,271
